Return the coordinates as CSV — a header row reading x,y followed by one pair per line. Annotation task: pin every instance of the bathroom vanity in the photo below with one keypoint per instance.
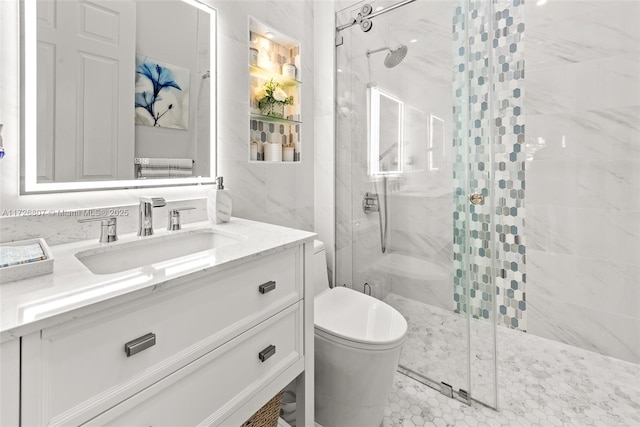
x,y
204,338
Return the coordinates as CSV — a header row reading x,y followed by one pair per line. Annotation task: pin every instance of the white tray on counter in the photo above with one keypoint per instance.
x,y
30,269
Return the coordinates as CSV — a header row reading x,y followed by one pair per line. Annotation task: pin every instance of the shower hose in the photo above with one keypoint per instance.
x,y
383,225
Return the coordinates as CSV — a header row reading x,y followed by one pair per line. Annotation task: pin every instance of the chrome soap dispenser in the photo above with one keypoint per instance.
x,y
219,203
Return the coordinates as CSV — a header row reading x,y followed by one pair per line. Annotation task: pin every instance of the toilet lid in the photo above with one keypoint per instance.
x,y
358,318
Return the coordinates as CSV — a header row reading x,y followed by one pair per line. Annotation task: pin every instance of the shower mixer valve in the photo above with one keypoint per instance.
x,y
370,202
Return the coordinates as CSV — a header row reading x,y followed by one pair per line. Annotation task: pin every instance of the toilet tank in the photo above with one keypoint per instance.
x,y
321,275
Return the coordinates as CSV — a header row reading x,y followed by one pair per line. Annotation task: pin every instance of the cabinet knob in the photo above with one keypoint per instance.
x,y
267,353
139,344
267,287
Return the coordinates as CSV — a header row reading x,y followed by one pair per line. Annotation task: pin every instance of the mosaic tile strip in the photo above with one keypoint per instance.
x,y
460,119
509,161
488,135
274,132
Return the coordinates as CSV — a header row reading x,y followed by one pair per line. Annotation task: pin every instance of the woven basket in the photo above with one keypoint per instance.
x,y
267,416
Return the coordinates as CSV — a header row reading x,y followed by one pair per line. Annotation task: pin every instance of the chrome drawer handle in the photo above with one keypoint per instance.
x,y
267,287
139,344
267,353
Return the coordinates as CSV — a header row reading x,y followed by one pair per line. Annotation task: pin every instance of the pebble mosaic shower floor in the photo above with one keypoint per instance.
x,y
541,383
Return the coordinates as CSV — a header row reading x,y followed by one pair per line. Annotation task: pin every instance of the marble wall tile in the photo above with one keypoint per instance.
x,y
344,266
592,283
583,186
324,129
301,218
582,31
420,279
612,82
606,333
592,233
286,185
343,227
601,134
233,70
419,245
269,192
597,184
343,208
231,133
366,254
234,17
248,183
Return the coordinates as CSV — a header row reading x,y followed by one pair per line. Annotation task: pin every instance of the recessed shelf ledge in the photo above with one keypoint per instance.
x,y
265,74
273,119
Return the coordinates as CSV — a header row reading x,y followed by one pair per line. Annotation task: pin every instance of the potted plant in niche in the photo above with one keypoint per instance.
x,y
272,98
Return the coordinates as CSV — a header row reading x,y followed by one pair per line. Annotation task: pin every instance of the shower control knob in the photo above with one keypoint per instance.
x,y
370,203
476,198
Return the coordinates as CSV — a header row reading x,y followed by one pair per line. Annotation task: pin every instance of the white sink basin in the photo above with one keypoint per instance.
x,y
118,257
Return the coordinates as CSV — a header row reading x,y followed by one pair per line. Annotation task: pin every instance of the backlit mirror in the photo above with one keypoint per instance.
x,y
386,118
118,94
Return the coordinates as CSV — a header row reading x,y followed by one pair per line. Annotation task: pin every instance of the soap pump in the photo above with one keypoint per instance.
x,y
219,203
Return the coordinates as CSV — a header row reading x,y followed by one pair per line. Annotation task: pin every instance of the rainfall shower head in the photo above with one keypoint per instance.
x,y
394,57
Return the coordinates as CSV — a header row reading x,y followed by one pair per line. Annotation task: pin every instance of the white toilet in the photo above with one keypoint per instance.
x,y
358,340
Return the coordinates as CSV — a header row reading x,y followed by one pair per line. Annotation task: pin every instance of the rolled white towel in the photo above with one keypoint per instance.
x,y
164,173
172,163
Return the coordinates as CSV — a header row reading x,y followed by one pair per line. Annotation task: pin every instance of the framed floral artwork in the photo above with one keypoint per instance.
x,y
162,94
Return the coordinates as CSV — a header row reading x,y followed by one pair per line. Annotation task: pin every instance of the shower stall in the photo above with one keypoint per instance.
x,y
431,156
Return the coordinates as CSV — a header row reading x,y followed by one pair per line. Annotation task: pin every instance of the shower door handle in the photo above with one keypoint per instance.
x,y
477,198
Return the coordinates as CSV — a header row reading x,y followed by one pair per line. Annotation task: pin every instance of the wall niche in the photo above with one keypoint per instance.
x,y
274,96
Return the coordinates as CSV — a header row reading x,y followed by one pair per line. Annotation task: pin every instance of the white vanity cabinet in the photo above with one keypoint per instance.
x,y
10,383
225,342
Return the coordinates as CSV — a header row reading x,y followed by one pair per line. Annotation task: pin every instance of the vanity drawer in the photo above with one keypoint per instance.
x,y
83,369
198,393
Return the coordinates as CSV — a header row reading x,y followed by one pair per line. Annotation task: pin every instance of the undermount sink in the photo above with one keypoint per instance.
x,y
118,257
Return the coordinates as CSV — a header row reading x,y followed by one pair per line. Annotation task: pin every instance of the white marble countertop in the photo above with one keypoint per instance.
x,y
72,290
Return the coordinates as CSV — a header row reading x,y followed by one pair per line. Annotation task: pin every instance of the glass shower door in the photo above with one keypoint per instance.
x,y
398,145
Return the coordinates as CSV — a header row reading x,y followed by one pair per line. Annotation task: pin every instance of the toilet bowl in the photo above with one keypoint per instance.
x,y
358,340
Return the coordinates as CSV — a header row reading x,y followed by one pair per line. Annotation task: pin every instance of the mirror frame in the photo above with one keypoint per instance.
x,y
28,122
374,95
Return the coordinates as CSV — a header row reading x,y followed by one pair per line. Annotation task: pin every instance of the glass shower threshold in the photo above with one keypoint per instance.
x,y
460,395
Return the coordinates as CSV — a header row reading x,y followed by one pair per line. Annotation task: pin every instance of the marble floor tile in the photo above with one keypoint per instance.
x,y
541,382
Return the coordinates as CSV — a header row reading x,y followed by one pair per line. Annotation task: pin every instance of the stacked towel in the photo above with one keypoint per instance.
x,y
16,255
164,173
164,168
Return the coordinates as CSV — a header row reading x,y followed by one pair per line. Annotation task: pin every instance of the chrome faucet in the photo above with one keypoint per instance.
x,y
108,228
174,218
145,217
